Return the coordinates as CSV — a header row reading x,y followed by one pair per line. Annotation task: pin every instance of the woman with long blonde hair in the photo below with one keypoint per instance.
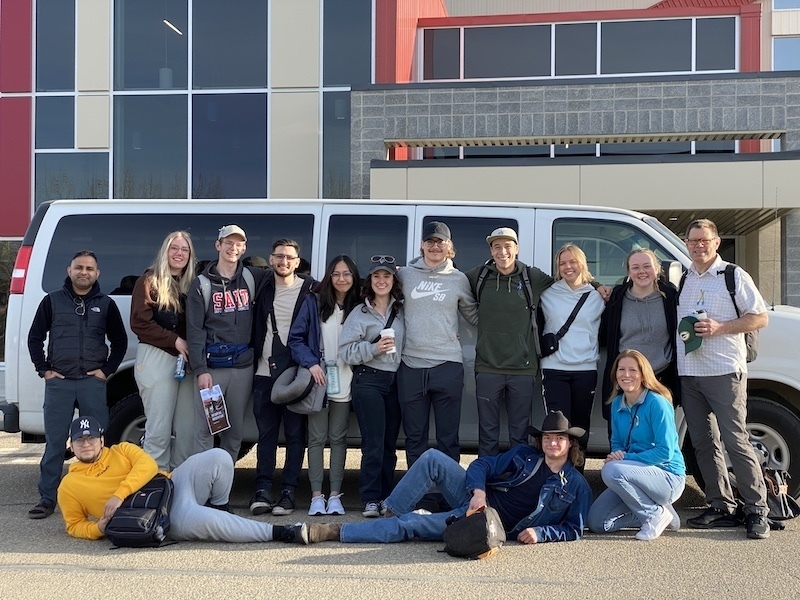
x,y
158,318
569,375
644,471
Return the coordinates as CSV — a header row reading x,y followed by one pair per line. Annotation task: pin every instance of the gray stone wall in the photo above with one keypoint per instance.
x,y
746,102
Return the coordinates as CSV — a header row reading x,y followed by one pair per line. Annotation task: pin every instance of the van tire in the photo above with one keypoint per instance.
x,y
775,431
126,421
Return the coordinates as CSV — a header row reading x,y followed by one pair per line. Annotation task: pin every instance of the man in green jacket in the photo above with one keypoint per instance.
x,y
505,355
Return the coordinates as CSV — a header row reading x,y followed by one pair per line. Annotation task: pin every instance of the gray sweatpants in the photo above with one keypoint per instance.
x,y
203,477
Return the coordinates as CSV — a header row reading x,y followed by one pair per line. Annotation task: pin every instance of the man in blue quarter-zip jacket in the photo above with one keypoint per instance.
x,y
537,491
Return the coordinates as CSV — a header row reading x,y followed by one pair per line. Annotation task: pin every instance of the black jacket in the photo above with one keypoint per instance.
x,y
263,307
77,342
610,335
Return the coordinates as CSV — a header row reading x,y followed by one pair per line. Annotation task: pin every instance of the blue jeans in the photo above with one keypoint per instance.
x,y
268,419
60,398
635,493
378,413
433,468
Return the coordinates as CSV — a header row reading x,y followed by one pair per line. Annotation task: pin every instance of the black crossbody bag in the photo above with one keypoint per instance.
x,y
549,341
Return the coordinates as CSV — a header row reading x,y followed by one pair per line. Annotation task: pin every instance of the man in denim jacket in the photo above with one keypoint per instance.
x,y
537,491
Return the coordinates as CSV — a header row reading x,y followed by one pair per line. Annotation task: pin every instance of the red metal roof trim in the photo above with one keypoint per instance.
x,y
700,3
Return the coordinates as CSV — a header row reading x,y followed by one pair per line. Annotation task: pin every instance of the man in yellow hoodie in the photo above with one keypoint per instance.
x,y
103,477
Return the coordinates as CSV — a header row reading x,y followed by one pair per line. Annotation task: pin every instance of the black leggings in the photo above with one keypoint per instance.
x,y
571,392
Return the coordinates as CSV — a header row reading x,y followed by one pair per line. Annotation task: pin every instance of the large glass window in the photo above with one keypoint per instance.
x,y
336,145
150,146
606,244
506,151
150,44
55,45
646,46
442,54
229,146
55,122
785,4
126,244
576,49
522,51
71,175
229,44
716,44
347,40
786,54
362,236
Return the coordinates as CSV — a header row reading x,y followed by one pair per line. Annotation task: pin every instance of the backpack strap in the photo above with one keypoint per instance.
x,y
681,284
481,281
730,283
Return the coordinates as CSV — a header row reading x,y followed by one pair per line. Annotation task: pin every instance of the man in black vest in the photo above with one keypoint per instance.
x,y
78,318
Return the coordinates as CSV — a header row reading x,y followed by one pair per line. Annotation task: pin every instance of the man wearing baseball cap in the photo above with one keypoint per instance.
x,y
96,485
506,359
218,311
536,489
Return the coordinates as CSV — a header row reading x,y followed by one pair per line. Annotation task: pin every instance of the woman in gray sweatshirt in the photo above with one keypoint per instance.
x,y
375,357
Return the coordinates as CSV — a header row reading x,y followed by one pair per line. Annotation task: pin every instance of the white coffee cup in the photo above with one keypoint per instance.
x,y
390,334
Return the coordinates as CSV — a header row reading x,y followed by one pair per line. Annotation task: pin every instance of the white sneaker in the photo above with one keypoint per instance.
x,y
655,526
335,505
675,525
371,510
317,506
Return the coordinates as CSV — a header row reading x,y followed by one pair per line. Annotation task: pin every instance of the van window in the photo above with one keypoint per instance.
x,y
362,236
469,238
606,244
126,244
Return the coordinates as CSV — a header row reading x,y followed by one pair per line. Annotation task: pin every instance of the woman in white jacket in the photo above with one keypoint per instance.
x,y
569,375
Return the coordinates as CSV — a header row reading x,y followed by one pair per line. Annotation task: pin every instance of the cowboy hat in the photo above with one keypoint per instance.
x,y
556,422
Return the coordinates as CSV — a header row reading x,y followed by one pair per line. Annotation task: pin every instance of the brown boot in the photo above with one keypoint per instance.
x,y
324,532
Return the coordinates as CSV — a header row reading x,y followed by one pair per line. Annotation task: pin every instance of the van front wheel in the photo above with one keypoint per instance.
x,y
775,434
126,421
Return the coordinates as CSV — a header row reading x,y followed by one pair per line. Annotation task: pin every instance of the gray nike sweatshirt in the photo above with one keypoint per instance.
x,y
432,300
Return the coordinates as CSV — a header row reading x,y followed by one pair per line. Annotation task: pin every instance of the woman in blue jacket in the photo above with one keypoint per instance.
x,y
314,336
644,471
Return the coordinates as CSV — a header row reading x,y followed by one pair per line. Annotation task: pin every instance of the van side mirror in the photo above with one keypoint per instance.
x,y
673,270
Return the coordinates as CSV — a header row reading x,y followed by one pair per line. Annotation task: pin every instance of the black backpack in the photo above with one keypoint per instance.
x,y
142,521
475,535
750,337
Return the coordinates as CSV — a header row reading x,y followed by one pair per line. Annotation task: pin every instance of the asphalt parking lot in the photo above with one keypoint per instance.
x,y
39,560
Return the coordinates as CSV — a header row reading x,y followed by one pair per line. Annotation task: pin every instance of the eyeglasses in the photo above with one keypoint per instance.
x,y
281,257
80,306
180,249
698,241
89,439
345,275
431,243
237,245
383,259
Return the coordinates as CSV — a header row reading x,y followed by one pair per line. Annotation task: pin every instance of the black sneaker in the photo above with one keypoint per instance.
x,y
292,534
711,518
261,503
42,510
757,527
285,505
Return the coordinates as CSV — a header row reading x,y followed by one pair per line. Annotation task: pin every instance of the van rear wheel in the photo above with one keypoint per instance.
x,y
126,421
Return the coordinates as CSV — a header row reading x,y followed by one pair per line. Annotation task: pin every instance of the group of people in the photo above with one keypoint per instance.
x,y
389,347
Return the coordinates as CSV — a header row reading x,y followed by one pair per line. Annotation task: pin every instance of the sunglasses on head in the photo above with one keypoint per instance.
x,y
383,259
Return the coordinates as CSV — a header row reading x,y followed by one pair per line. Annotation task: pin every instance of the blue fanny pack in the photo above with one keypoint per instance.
x,y
222,355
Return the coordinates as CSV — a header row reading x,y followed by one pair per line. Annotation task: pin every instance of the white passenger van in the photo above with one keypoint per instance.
x,y
125,235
